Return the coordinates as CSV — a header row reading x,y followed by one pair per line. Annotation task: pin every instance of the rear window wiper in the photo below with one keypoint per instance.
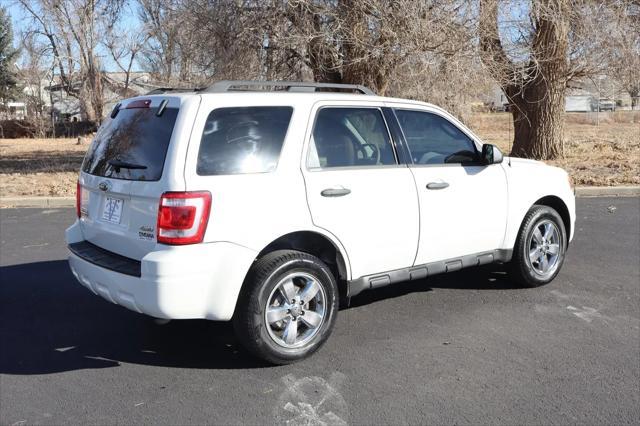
x,y
117,165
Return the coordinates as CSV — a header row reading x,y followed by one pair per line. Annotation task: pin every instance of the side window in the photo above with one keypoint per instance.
x,y
347,137
434,140
242,140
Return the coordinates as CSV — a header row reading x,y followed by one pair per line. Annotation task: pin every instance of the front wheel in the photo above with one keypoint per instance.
x,y
287,308
540,247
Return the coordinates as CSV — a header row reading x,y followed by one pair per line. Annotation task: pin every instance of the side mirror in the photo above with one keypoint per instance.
x,y
491,154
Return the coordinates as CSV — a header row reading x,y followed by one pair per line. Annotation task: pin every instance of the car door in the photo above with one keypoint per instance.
x,y
356,189
463,203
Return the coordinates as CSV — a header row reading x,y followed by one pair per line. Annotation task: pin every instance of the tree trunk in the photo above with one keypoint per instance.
x,y
538,105
538,119
535,89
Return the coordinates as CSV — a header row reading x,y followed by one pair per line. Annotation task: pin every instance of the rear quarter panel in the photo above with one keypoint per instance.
x,y
253,210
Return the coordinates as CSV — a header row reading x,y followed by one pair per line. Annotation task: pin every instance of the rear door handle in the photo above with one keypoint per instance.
x,y
335,192
437,185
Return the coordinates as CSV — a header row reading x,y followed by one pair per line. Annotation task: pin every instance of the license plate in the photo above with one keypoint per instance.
x,y
112,211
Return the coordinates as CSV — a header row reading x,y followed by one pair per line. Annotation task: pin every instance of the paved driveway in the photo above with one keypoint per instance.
x,y
467,347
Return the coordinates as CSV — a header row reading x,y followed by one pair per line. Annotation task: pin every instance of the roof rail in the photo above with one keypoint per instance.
x,y
290,86
161,90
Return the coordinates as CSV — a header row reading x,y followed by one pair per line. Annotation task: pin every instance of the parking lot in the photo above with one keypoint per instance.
x,y
467,347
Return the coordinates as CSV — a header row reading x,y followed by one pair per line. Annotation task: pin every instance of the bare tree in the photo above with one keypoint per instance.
x,y
198,41
406,48
365,42
534,85
124,46
534,50
35,75
73,29
624,60
160,51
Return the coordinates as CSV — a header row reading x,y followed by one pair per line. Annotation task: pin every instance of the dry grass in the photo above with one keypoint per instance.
x,y
40,167
604,154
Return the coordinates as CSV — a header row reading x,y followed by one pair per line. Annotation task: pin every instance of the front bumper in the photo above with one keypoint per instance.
x,y
186,282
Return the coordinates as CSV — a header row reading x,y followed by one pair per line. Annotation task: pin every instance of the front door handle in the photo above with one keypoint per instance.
x,y
335,192
437,185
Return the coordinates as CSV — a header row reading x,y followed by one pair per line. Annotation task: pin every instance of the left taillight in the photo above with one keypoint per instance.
x,y
183,217
78,199
82,200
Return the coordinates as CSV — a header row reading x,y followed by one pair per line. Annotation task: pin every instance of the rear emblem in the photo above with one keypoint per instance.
x,y
104,186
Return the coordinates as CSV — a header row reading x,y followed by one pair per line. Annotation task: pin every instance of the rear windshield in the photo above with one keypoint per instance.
x,y
131,146
242,140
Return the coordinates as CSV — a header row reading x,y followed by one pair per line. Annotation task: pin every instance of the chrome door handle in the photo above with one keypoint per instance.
x,y
437,185
335,192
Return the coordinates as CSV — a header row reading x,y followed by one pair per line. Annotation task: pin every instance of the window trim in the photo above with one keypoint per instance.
x,y
392,141
411,163
282,146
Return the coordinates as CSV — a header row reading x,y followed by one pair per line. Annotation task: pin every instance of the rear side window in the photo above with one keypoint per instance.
x,y
242,140
131,146
350,137
432,139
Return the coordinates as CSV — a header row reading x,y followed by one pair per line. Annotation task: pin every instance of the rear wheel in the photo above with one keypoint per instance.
x,y
287,308
540,247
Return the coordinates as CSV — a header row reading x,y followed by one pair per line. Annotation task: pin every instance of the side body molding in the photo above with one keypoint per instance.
x,y
418,272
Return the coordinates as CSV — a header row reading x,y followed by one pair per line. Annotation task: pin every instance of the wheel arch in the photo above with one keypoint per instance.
x,y
315,244
558,205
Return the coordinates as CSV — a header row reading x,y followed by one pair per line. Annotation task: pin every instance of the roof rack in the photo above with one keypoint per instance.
x,y
161,90
289,86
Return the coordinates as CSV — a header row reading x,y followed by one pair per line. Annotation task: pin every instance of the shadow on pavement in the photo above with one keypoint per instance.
x,y
489,277
49,323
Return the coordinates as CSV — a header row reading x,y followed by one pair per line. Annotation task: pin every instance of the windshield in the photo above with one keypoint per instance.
x,y
131,146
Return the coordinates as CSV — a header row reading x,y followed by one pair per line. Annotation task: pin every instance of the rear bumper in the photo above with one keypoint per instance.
x,y
186,282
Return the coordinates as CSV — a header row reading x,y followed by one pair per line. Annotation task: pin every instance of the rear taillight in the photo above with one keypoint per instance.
x,y
183,217
82,200
78,199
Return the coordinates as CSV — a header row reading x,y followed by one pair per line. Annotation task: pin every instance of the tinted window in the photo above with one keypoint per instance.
x,y
344,137
434,140
135,136
243,140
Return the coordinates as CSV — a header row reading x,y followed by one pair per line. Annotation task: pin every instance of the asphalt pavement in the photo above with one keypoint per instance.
x,y
464,348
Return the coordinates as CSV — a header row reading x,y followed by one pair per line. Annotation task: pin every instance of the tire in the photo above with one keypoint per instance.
x,y
528,266
292,274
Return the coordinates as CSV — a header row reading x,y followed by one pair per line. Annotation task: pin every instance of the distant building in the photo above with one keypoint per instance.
x,y
580,103
68,108
600,93
16,110
54,100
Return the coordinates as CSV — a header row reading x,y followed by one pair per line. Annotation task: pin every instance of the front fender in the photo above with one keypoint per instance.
x,y
527,183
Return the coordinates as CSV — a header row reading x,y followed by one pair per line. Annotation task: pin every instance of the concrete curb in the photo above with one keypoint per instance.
x,y
608,191
59,202
40,202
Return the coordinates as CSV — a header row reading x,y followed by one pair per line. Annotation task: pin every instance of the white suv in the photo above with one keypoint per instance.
x,y
268,207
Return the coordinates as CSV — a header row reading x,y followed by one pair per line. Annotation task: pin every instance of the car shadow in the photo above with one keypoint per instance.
x,y
487,277
49,323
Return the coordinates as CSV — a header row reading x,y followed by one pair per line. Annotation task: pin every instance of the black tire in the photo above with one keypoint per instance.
x,y
267,273
521,268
